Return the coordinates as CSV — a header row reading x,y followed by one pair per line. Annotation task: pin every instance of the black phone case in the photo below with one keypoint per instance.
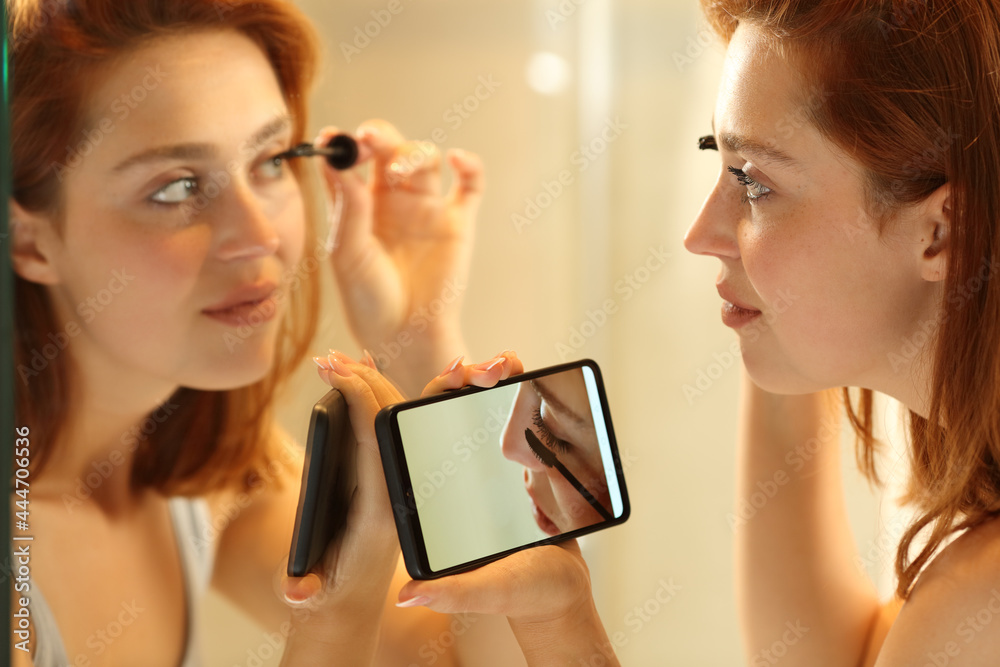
x,y
397,477
328,482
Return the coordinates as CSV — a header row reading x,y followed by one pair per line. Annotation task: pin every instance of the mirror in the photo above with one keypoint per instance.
x,y
586,116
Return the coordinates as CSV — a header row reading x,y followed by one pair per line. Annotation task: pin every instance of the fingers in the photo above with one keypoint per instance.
x,y
400,164
352,228
469,183
535,583
485,374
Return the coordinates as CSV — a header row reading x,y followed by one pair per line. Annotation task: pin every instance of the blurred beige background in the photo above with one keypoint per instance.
x,y
634,82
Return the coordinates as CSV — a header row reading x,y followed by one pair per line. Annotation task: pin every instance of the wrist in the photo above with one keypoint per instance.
x,y
576,637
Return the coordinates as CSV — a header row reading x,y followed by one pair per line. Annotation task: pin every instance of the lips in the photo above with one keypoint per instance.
x,y
546,524
254,304
727,294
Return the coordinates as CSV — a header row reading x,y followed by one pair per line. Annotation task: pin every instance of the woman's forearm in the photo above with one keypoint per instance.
x,y
351,637
799,592
576,639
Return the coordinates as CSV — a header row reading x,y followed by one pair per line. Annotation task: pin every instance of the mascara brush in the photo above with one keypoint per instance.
x,y
550,460
341,152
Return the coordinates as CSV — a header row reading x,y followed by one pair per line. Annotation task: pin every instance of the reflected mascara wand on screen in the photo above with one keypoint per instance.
x,y
550,460
341,151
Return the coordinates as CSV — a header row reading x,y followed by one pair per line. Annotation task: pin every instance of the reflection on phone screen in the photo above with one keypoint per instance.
x,y
510,466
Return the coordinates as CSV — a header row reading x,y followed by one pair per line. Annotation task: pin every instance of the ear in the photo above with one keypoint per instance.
x,y
33,246
934,234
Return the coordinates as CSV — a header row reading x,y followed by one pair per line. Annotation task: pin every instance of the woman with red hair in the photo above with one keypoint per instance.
x,y
167,270
856,219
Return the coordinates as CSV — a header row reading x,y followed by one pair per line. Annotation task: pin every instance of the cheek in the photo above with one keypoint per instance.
x,y
132,287
826,294
290,225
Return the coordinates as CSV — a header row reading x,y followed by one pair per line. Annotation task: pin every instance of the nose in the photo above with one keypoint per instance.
x,y
245,232
713,231
515,448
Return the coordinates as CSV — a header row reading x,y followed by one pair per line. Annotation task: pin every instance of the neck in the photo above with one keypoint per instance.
x,y
112,411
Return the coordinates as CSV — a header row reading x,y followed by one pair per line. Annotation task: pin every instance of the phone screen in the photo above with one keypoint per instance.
x,y
519,464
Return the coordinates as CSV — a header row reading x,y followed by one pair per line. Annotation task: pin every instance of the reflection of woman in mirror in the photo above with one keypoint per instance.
x,y
855,224
167,274
556,410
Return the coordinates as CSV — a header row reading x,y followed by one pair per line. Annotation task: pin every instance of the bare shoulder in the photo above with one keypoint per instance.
x,y
953,614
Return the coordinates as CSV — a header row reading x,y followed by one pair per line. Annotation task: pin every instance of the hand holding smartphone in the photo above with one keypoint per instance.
x,y
328,482
477,474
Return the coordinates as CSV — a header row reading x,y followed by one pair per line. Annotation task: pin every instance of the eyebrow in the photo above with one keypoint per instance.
x,y
737,143
202,151
550,398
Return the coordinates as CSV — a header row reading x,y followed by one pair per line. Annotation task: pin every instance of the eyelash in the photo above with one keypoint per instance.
x,y
195,183
755,192
550,439
709,143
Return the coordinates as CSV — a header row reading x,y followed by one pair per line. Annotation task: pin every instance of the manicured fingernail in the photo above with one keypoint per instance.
x,y
488,365
322,363
369,361
414,602
338,367
454,364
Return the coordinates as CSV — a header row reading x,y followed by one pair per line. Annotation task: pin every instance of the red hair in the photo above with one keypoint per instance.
x,y
912,93
208,438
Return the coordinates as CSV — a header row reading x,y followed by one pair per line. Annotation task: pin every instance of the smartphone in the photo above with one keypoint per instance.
x,y
477,474
328,482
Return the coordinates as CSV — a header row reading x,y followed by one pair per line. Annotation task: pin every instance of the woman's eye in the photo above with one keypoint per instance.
x,y
550,438
755,191
272,168
175,192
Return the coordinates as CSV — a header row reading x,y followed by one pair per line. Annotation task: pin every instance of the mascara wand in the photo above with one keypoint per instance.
x,y
550,460
341,152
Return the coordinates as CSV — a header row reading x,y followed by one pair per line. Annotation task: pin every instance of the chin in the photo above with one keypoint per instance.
x,y
234,372
775,375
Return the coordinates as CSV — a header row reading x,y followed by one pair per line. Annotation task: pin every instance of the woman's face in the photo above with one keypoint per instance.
x,y
557,409
178,231
825,301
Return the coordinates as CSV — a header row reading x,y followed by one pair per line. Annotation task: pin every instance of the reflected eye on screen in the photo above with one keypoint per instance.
x,y
551,440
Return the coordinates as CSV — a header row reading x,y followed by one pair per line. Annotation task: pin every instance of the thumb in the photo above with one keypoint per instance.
x,y
486,590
